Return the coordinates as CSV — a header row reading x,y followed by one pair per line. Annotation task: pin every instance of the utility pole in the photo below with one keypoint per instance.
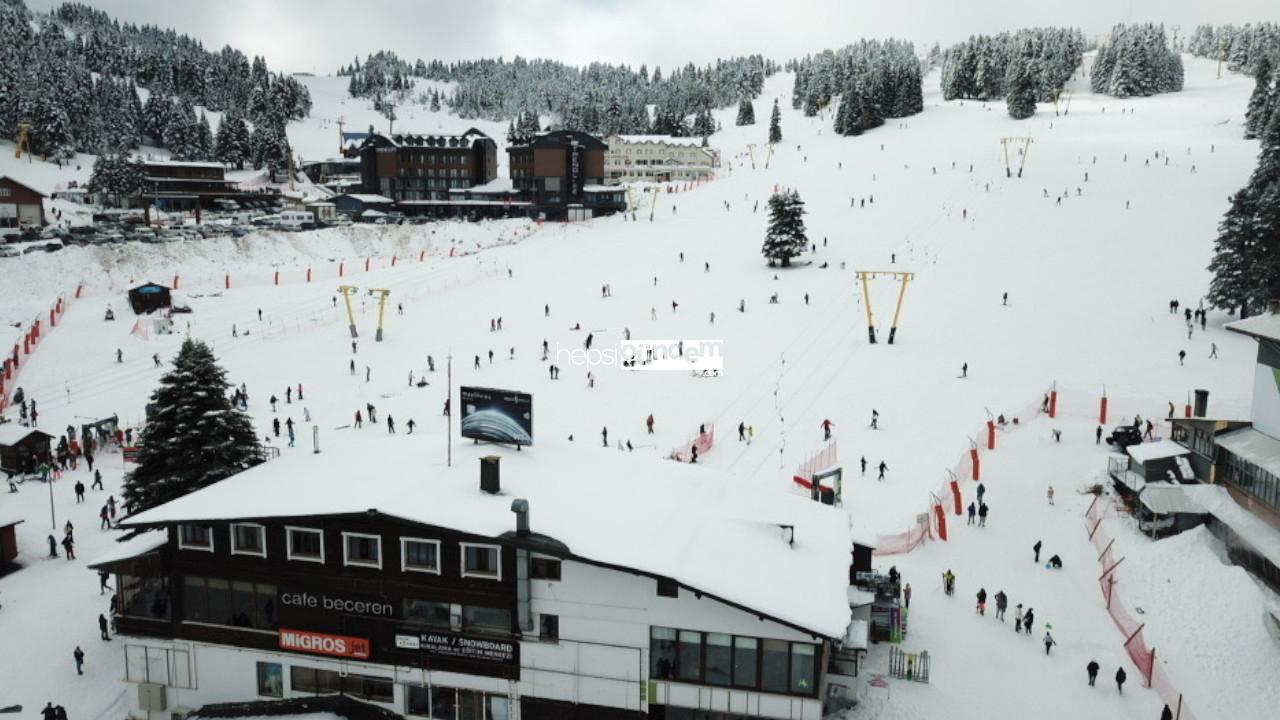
x,y
341,137
347,291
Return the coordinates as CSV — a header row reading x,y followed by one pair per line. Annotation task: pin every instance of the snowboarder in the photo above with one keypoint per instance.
x,y
826,429
1036,547
1092,668
883,468
1049,642
79,656
1002,603
102,627
973,511
982,601
1120,678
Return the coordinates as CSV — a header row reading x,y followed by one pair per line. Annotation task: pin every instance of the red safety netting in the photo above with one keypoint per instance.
x,y
16,361
704,441
816,463
1143,657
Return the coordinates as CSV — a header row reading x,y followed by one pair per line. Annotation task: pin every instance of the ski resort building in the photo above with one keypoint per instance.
x,y
592,586
183,185
658,158
419,166
20,205
562,174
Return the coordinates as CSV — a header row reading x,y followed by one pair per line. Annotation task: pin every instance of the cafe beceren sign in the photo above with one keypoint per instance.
x,y
463,647
352,606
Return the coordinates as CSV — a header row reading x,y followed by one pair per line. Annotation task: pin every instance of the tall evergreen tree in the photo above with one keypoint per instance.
x,y
775,125
1021,96
1246,257
786,236
194,435
231,146
746,113
1255,118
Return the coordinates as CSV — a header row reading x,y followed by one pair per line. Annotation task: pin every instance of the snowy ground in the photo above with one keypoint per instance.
x,y
1089,282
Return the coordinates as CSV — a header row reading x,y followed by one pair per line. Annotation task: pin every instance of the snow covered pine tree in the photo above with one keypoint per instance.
x,y
194,435
746,112
775,128
786,237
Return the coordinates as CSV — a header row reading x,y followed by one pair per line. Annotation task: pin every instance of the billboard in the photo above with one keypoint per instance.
x,y
324,644
501,416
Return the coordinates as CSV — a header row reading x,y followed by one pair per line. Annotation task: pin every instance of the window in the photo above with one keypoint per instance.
x,y
745,655
544,568
484,619
305,544
312,680
719,658
362,550
222,602
427,612
271,679
481,561
444,702
668,588
420,555
804,669
142,597
662,653
248,539
689,654
773,674
4,192
195,537
548,627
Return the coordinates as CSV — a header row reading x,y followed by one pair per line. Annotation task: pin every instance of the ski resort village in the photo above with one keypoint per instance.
x,y
595,361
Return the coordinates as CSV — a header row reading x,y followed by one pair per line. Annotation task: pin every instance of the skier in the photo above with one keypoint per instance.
x,y
79,656
982,601
1049,642
1092,668
973,510
102,627
1002,603
826,429
648,423
883,468
1036,547
1120,678
1017,618
875,420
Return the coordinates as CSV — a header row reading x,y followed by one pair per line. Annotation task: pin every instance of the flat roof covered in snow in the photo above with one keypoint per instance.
x,y
1265,326
1168,499
369,199
694,524
1158,450
136,546
1253,445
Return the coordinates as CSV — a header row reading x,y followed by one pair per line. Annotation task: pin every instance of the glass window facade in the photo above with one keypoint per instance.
x,y
720,659
248,540
1253,479
143,597
196,537
329,682
427,612
485,619
446,703
223,602
270,679
541,568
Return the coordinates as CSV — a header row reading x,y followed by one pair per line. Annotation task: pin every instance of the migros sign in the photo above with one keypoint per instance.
x,y
324,644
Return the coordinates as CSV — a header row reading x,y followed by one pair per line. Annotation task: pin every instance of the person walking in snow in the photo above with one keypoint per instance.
x,y
1182,356
964,370
102,627
982,490
648,423
1049,494
826,429
864,464
69,547
1049,642
391,425
1028,620
982,515
906,596
1017,618
1037,547
742,432
883,468
104,518
604,436
273,402
79,656
973,511
1121,676
275,426
982,601
103,577
79,487
1097,435
1213,351
53,547
875,419
1002,603
1092,668
359,419
1166,713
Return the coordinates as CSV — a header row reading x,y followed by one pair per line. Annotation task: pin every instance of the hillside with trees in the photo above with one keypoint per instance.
x,y
989,67
874,79
1136,60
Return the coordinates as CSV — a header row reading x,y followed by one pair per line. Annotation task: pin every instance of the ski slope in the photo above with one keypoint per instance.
x,y
1088,280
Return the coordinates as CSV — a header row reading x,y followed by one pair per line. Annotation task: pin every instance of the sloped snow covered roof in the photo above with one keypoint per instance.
x,y
1158,450
660,140
1253,445
1167,499
369,199
708,531
136,546
1259,326
13,433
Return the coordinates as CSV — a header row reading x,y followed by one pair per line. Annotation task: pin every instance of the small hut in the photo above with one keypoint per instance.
x,y
149,297
23,449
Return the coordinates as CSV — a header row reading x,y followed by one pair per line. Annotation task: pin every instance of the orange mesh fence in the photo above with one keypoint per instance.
x,y
17,359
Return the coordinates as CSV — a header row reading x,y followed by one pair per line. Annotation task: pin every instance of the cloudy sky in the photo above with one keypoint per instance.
x,y
317,35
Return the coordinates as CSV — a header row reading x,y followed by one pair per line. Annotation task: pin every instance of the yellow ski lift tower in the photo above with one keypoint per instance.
x,y
347,291
382,308
24,140
654,207
751,149
1026,148
904,278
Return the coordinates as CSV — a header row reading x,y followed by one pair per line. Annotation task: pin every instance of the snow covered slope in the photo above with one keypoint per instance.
x,y
1089,281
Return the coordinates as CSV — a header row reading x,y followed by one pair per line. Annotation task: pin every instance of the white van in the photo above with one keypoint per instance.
x,y
294,219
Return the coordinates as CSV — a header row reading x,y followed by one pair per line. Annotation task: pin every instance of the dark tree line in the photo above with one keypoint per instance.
x,y
47,68
874,79
599,98
989,67
1242,48
1136,60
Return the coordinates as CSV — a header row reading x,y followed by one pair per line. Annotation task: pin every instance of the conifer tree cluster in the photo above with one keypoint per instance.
x,y
874,80
1246,258
47,78
775,124
523,128
786,236
984,67
1136,61
600,98
1264,100
117,176
1241,48
194,436
746,113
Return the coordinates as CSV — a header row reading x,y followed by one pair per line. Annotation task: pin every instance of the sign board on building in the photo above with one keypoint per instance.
x,y
465,647
501,416
408,642
324,644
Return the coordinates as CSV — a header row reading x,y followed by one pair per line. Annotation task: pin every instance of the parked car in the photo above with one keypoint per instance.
x,y
9,251
1125,435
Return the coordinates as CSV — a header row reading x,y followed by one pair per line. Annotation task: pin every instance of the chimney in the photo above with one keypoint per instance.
x,y
524,611
489,481
1202,403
